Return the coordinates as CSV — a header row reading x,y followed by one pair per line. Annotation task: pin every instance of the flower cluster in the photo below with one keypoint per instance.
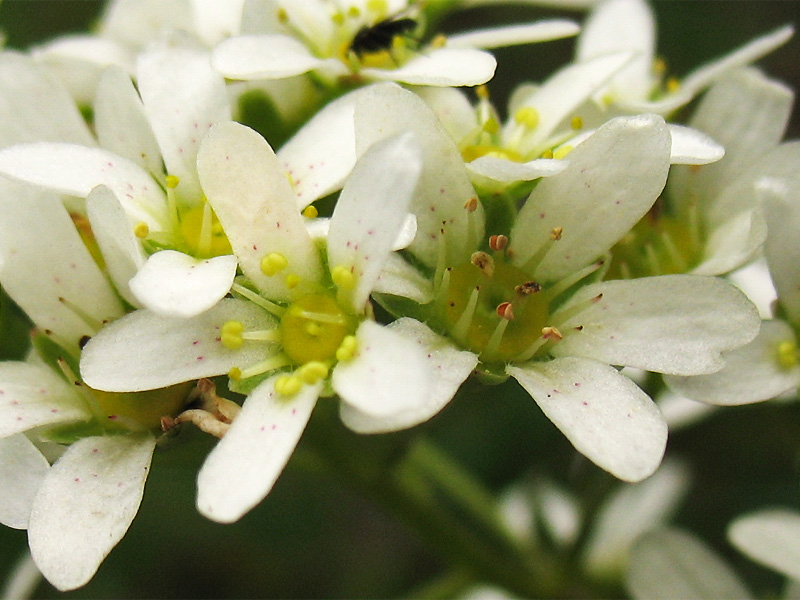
x,y
181,269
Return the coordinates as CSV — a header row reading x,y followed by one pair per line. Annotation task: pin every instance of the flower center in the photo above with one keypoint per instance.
x,y
313,329
659,244
497,311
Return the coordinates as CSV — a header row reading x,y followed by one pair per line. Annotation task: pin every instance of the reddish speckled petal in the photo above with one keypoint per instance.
x,y
604,414
243,467
33,395
86,504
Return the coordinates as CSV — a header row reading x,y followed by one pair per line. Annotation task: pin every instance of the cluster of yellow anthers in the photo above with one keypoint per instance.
x,y
191,227
314,331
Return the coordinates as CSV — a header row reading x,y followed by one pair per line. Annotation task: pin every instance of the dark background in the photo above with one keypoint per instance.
x,y
314,536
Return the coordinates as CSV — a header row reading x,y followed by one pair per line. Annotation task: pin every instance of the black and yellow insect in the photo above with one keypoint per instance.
x,y
380,36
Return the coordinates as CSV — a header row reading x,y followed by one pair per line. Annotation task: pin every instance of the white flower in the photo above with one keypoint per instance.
x,y
770,364
769,537
124,29
304,330
628,25
709,220
545,123
77,510
150,195
520,303
362,40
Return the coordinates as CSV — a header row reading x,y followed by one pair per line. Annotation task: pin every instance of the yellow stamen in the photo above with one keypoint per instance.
x,y
312,372
141,230
273,263
288,385
527,116
173,181
310,212
343,277
347,349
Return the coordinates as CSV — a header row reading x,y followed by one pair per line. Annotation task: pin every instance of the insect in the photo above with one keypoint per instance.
x,y
379,37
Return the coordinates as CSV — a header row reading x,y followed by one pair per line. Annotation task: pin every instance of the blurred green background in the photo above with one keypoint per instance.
x,y
315,536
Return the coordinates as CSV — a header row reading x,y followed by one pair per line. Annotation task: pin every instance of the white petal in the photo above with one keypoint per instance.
x,y
242,468
751,373
733,242
629,512
174,284
33,396
771,538
321,155
251,196
747,113
444,187
782,210
507,171
611,182
22,470
121,249
77,170
35,106
755,281
121,124
678,324
389,375
692,147
512,35
78,61
667,564
145,351
86,504
215,21
622,25
408,231
182,96
449,365
441,67
399,278
46,268
453,108
371,210
137,22
263,57
604,414
559,96
700,78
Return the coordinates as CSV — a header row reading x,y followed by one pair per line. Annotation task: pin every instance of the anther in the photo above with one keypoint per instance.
x,y
273,263
310,212
576,122
551,333
482,92
484,262
141,230
555,233
527,116
231,334
562,152
347,349
312,372
528,288
439,41
673,85
787,354
173,181
472,204
288,385
505,310
498,242
343,277
292,281
547,154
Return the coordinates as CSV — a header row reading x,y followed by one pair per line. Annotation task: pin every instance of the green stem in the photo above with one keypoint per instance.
x,y
440,500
